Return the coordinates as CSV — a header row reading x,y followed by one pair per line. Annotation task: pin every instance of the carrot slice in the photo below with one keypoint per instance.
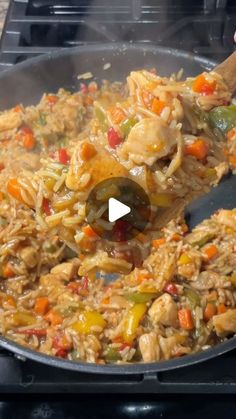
x,y
89,232
232,159
185,319
7,271
209,312
231,134
210,251
9,300
87,151
17,109
203,86
176,237
106,300
199,149
117,114
52,99
54,317
41,305
221,308
14,189
158,106
158,242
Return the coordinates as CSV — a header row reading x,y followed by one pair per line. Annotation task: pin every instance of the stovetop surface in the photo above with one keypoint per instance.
x,y
35,27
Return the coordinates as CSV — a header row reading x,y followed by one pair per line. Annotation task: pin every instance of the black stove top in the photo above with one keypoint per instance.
x,y
34,27
216,376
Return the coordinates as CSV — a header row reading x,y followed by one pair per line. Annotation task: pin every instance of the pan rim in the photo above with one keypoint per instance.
x,y
117,369
22,353
116,48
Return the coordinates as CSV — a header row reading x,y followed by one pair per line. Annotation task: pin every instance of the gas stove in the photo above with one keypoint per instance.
x,y
36,27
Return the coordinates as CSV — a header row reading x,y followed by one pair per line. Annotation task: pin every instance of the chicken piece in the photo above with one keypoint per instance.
x,y
29,161
29,256
210,279
225,323
227,218
99,167
149,347
149,140
142,80
164,310
162,264
10,120
171,346
50,282
66,270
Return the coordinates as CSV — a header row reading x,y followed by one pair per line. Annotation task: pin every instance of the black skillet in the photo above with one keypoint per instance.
x,y
25,83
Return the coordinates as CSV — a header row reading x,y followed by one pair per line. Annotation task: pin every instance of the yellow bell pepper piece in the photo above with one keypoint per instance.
x,y
132,320
233,279
209,172
147,288
49,183
164,200
88,322
184,259
21,318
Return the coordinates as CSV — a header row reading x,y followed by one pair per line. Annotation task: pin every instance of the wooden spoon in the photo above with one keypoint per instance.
x,y
227,70
223,196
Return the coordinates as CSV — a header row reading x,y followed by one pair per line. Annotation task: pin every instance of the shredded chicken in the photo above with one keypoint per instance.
x,y
164,310
30,256
149,347
225,323
210,279
149,140
10,120
162,264
67,270
99,167
103,262
171,346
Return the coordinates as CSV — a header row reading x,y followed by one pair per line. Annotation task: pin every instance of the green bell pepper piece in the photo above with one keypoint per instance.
x,y
142,297
126,126
223,118
101,116
192,296
112,355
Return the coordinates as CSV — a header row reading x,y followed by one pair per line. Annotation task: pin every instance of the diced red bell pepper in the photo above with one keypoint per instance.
x,y
64,158
31,332
203,86
171,288
61,353
46,206
83,88
60,341
114,138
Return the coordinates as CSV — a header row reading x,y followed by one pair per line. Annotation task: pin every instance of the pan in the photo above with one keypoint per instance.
x,y
26,82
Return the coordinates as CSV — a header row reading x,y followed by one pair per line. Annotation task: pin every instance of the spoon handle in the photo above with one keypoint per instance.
x,y
227,70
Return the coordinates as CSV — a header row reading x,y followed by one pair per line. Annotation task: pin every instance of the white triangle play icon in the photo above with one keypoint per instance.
x,y
117,210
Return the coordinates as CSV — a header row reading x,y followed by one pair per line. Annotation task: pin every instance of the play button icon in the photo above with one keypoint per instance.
x,y
118,209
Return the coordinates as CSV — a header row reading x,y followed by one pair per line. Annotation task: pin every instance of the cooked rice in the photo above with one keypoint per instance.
x,y
175,293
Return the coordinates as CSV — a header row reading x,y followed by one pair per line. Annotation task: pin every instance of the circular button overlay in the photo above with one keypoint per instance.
x,y
118,209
